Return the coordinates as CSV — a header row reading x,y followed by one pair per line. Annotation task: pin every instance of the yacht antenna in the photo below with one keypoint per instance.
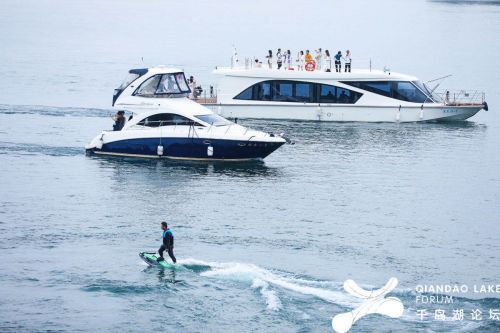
x,y
440,78
234,58
431,92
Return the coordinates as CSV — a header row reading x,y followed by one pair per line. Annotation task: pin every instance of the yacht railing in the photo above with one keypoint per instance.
x,y
460,97
204,94
250,63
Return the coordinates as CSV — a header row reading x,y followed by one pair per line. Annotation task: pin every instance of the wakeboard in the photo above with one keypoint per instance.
x,y
152,260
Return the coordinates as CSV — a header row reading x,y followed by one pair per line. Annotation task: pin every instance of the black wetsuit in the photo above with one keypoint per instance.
x,y
168,245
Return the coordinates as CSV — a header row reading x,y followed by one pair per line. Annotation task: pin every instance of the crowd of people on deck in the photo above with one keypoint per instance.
x,y
322,60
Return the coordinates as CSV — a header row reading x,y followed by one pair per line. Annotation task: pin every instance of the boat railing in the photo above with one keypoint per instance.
x,y
204,94
253,62
160,123
460,97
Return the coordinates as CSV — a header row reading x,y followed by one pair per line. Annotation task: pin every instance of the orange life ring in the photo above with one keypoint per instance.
x,y
310,66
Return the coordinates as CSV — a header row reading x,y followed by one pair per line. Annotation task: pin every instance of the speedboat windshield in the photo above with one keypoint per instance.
x,y
214,119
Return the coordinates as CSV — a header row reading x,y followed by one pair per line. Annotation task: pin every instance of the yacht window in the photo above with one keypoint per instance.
x,y
303,92
401,90
165,84
327,94
180,120
166,119
407,91
283,91
181,81
298,91
168,85
247,94
214,119
345,96
265,91
148,87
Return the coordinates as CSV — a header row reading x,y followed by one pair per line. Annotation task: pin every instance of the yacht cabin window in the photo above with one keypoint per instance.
x,y
402,90
167,119
214,119
299,92
163,85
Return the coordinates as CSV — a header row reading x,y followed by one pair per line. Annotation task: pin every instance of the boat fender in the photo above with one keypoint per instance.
x,y
422,112
485,106
210,151
398,114
159,150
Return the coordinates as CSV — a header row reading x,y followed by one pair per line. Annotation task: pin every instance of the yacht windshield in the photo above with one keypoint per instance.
x,y
214,119
424,88
128,80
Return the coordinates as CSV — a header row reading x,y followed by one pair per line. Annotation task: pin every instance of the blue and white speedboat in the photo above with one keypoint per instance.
x,y
166,124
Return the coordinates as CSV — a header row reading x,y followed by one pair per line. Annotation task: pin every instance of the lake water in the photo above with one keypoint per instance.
x,y
266,246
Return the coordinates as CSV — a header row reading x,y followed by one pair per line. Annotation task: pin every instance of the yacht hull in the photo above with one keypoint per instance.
x,y
188,148
347,113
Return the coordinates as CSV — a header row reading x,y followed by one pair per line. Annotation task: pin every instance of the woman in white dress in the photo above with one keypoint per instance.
x,y
319,59
288,59
270,59
300,60
328,61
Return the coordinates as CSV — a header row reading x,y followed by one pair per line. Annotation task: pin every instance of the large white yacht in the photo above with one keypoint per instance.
x,y
166,124
361,95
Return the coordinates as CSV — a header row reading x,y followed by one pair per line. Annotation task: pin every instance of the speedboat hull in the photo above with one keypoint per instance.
x,y
188,148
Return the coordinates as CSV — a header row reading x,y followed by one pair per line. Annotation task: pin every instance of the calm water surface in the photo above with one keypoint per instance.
x,y
265,246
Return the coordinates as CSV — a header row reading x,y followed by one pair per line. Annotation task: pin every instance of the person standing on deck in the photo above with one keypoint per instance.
x,y
319,59
279,59
270,59
168,243
328,61
300,60
192,86
347,61
288,59
308,57
338,64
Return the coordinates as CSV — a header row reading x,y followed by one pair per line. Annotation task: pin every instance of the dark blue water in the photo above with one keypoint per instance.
x,y
264,247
